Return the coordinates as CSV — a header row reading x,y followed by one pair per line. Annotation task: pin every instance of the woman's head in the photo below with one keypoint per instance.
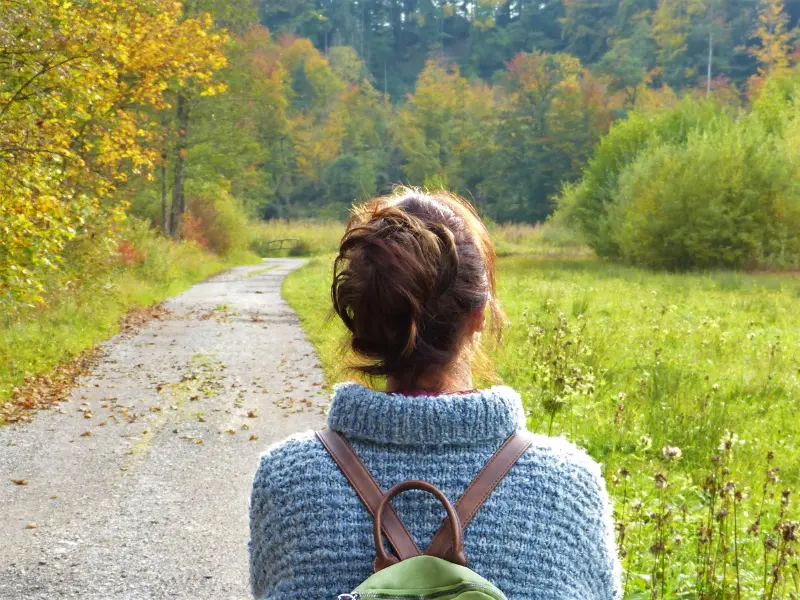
x,y
412,283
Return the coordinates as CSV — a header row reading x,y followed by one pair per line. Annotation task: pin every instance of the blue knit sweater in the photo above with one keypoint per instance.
x,y
545,533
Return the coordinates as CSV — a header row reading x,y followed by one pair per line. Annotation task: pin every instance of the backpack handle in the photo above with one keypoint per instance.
x,y
384,560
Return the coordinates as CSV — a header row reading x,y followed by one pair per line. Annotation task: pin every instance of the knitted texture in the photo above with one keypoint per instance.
x,y
546,532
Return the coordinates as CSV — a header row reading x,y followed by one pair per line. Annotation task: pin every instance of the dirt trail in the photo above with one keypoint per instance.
x,y
138,487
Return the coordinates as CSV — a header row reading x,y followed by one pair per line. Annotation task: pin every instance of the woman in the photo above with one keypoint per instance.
x,y
413,283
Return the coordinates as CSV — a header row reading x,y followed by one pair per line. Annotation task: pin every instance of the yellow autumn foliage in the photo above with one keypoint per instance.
x,y
76,82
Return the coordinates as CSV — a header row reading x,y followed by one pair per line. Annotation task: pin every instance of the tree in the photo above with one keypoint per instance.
x,y
774,40
78,88
587,25
554,113
675,31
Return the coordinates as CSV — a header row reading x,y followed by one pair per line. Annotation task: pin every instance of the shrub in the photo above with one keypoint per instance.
x,y
712,202
217,221
586,202
695,187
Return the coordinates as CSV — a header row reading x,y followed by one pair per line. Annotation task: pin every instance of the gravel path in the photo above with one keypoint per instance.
x,y
138,487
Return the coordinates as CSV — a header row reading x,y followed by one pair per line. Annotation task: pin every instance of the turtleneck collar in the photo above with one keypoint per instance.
x,y
458,419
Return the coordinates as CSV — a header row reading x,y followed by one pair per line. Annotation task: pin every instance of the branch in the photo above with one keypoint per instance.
x,y
41,72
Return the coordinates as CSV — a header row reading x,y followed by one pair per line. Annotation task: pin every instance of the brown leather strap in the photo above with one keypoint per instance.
x,y
480,489
382,560
369,491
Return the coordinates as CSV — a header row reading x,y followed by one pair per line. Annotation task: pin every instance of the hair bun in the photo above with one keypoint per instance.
x,y
409,272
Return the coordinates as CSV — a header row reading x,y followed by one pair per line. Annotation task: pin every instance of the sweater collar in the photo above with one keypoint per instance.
x,y
458,419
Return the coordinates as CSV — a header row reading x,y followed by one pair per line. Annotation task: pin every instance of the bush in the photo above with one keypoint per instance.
x,y
587,201
217,221
694,187
712,202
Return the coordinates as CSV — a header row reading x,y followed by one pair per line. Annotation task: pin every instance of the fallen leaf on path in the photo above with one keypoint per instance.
x,y
31,526
137,318
86,434
245,426
198,441
19,481
252,414
253,437
43,391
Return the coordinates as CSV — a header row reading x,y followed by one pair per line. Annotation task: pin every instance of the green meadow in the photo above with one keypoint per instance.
x,y
685,387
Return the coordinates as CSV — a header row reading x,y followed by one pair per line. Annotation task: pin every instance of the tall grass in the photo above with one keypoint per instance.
x,y
686,388
542,239
305,238
314,238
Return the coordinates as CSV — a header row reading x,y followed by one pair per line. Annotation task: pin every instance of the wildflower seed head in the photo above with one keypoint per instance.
x,y
671,453
790,530
770,456
728,441
773,475
658,548
769,543
660,480
785,496
624,473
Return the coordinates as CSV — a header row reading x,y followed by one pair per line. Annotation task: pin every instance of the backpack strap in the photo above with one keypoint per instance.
x,y
369,491
480,489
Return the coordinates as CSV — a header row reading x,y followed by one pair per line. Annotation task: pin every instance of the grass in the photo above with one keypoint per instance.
x,y
318,238
632,365
548,239
313,237
88,301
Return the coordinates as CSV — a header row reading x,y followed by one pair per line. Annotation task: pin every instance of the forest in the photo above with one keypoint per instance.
x,y
196,117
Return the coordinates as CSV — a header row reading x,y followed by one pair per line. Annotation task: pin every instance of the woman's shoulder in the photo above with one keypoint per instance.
x,y
294,456
562,463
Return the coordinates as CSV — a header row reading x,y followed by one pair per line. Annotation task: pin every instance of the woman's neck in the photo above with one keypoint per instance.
x,y
457,378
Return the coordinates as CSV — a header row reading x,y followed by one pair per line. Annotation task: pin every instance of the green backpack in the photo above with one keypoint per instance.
x,y
441,573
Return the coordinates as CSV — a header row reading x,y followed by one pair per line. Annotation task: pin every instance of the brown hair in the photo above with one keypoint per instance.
x,y
411,269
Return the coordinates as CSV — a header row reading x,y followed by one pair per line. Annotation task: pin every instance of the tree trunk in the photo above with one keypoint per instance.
x,y
178,197
165,227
